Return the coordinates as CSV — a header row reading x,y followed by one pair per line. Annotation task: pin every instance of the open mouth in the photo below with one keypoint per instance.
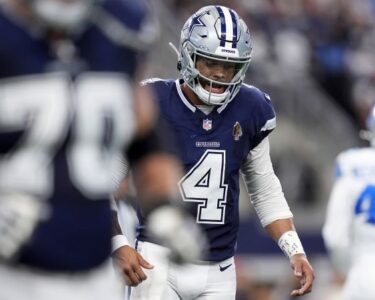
x,y
214,88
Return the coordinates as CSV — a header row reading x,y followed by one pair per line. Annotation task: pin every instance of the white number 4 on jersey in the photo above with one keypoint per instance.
x,y
204,183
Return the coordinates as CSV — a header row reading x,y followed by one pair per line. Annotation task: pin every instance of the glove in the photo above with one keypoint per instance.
x,y
19,214
175,229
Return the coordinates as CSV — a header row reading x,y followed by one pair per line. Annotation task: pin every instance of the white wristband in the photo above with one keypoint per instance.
x,y
119,241
290,244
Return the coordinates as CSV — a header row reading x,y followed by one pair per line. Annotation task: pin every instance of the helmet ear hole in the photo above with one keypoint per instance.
x,y
179,65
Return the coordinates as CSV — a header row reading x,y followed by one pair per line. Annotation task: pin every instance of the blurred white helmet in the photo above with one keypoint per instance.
x,y
217,33
67,15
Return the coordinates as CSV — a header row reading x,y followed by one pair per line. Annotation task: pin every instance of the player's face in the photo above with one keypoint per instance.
x,y
216,70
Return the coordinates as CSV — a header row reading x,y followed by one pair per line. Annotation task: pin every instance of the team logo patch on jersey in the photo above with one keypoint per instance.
x,y
207,124
237,131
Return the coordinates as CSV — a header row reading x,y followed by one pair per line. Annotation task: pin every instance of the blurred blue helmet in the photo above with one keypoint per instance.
x,y
216,33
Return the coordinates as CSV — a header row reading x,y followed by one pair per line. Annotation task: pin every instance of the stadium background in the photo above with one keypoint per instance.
x,y
315,58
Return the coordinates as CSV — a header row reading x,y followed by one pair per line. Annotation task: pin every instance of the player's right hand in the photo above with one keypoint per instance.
x,y
304,273
130,263
173,228
19,215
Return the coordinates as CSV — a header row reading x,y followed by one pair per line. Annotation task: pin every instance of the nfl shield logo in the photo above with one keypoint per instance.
x,y
207,124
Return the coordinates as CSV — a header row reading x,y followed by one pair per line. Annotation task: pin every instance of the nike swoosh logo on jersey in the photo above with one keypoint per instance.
x,y
222,269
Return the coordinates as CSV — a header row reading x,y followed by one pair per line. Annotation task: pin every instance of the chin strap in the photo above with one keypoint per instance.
x,y
174,49
209,97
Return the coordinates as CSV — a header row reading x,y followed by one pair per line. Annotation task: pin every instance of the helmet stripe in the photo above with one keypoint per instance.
x,y
229,26
234,21
223,26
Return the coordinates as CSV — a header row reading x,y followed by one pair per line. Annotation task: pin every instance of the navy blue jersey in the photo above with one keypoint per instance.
x,y
62,123
212,148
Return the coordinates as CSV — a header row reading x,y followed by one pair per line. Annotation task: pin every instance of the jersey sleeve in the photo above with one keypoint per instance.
x,y
343,165
264,118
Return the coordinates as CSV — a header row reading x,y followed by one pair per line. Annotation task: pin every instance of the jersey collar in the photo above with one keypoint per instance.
x,y
183,98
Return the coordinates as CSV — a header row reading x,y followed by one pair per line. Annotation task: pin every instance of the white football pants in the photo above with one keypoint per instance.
x,y
168,281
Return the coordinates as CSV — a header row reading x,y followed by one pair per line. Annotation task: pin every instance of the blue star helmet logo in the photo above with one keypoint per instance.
x,y
196,21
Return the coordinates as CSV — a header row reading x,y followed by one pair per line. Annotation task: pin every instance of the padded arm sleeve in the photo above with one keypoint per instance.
x,y
263,185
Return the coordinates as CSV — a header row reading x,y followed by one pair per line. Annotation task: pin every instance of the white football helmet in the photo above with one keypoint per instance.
x,y
67,15
217,33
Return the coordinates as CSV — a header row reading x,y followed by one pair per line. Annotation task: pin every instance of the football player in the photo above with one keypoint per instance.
x,y
66,115
349,229
222,127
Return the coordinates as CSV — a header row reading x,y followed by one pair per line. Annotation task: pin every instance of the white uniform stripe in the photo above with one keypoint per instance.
x,y
229,26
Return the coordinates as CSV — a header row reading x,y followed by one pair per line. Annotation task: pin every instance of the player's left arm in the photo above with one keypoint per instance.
x,y
273,211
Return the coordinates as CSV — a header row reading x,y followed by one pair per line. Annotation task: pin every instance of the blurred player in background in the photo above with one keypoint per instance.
x,y
221,126
349,229
66,115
